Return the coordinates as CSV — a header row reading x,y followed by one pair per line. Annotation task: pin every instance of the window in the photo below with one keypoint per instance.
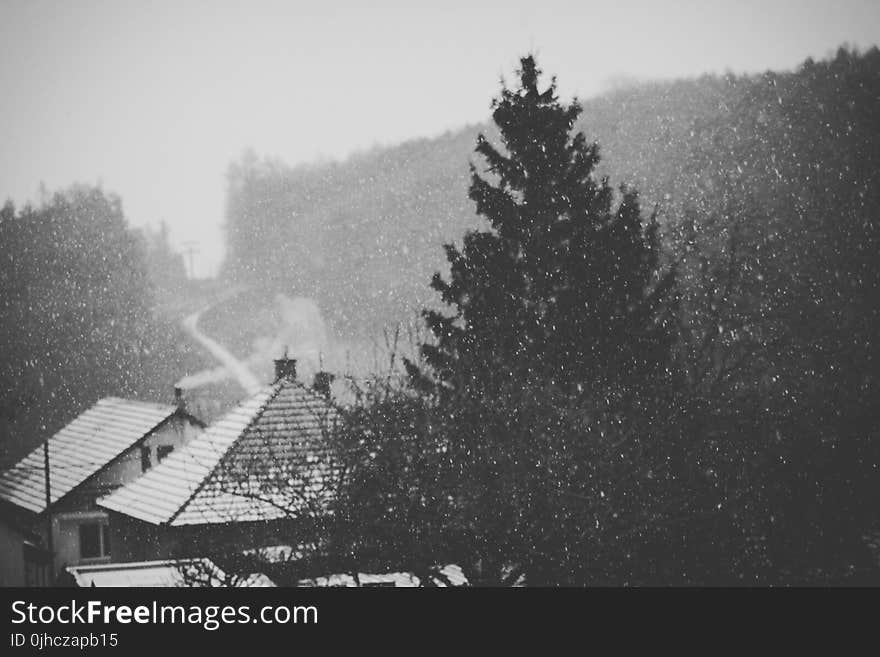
x,y
90,541
146,458
94,540
162,451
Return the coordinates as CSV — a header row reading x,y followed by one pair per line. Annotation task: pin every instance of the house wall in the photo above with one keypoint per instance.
x,y
23,562
12,549
65,531
127,467
135,540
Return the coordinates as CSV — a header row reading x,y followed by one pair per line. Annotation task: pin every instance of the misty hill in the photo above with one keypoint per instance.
x,y
364,236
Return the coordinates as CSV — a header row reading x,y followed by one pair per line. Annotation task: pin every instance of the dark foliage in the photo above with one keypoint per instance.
x,y
78,320
750,456
564,287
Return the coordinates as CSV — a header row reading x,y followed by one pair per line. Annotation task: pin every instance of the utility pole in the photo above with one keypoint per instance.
x,y
50,542
190,250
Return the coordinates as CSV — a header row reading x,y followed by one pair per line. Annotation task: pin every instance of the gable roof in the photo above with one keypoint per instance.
x,y
259,462
80,450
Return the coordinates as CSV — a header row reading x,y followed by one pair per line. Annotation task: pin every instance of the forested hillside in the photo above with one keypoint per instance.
x,y
78,318
363,236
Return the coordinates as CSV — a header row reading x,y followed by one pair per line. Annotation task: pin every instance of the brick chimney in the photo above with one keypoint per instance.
x,y
285,368
179,399
322,383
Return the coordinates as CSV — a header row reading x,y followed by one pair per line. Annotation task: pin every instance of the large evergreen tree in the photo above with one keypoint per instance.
x,y
550,370
564,284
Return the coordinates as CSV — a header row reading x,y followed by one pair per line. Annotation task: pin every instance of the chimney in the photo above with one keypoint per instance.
x,y
285,368
179,400
322,383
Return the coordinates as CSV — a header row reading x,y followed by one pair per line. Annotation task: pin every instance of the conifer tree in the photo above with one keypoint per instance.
x,y
564,286
552,370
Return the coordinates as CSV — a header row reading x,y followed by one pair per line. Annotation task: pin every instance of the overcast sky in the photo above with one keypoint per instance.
x,y
154,99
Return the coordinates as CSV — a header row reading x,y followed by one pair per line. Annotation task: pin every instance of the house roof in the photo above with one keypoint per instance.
x,y
81,449
266,459
400,579
170,573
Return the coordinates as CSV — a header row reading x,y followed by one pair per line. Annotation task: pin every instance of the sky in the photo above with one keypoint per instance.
x,y
153,100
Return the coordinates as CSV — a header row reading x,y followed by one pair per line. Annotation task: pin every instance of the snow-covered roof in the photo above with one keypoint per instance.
x,y
452,572
171,573
259,462
80,450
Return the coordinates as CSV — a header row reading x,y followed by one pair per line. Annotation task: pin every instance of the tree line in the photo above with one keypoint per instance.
x,y
79,289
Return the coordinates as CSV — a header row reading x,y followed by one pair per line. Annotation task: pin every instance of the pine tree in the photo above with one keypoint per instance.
x,y
563,287
552,371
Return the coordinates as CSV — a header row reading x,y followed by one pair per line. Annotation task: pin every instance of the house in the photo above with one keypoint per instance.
x,y
56,485
166,573
254,478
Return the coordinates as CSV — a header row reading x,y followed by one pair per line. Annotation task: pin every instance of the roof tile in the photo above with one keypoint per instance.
x,y
264,460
